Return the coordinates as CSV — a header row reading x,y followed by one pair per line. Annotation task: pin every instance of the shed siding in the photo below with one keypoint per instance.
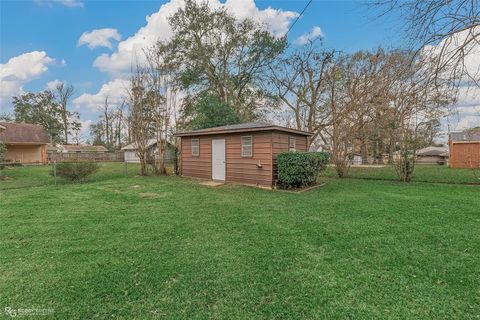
x,y
201,166
464,155
245,169
259,169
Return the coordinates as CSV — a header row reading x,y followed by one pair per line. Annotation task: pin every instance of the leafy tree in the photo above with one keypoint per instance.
x,y
8,117
97,133
218,53
209,111
40,108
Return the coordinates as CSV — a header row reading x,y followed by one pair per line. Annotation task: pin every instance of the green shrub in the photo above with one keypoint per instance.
x,y
300,169
75,170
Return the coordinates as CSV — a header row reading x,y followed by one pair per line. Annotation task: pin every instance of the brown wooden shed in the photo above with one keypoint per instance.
x,y
244,153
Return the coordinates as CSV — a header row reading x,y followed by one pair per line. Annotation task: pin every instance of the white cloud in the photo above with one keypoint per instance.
x,y
448,48
99,38
466,111
20,70
52,85
313,34
66,3
468,97
115,90
157,28
85,127
276,20
463,121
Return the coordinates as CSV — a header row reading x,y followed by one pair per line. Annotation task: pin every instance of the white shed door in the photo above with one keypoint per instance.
x,y
218,159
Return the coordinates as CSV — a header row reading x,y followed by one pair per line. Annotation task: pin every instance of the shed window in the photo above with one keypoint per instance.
x,y
291,143
195,147
247,146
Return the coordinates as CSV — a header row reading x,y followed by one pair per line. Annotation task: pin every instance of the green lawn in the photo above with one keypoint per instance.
x,y
166,247
422,173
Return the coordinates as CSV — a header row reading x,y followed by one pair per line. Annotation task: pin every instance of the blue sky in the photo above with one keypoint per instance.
x,y
52,29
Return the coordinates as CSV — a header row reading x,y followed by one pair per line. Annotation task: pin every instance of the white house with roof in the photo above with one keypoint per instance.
x,y
130,152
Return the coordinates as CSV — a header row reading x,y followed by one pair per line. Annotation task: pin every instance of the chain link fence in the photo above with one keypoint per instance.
x,y
18,175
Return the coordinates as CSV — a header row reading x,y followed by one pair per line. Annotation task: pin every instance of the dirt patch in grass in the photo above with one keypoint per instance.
x,y
304,189
152,195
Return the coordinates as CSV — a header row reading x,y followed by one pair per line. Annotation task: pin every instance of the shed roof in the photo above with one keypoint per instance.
x,y
25,133
241,127
150,143
471,135
433,151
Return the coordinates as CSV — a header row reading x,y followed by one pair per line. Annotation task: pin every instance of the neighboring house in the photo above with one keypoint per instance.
x,y
357,159
245,153
464,149
132,157
432,155
26,143
75,148
51,148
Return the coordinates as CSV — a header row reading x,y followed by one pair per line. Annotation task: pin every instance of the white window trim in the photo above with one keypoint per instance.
x,y
251,146
290,138
197,154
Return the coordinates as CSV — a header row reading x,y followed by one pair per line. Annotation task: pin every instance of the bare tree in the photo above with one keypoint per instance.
x,y
341,132
77,137
64,93
107,122
299,80
140,114
119,125
415,100
449,30
162,93
366,87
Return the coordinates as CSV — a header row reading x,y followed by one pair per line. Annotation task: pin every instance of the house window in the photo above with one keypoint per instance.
x,y
291,143
195,147
247,146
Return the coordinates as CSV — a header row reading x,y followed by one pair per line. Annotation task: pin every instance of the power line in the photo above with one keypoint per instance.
x,y
301,13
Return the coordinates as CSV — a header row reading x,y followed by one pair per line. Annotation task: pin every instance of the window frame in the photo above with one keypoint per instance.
x,y
197,154
242,147
290,139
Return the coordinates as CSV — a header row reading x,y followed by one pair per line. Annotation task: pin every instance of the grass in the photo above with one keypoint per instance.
x,y
35,176
128,247
422,173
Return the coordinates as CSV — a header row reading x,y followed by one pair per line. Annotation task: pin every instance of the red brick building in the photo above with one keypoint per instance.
x,y
464,149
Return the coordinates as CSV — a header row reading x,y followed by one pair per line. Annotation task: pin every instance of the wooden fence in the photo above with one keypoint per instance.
x,y
116,156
